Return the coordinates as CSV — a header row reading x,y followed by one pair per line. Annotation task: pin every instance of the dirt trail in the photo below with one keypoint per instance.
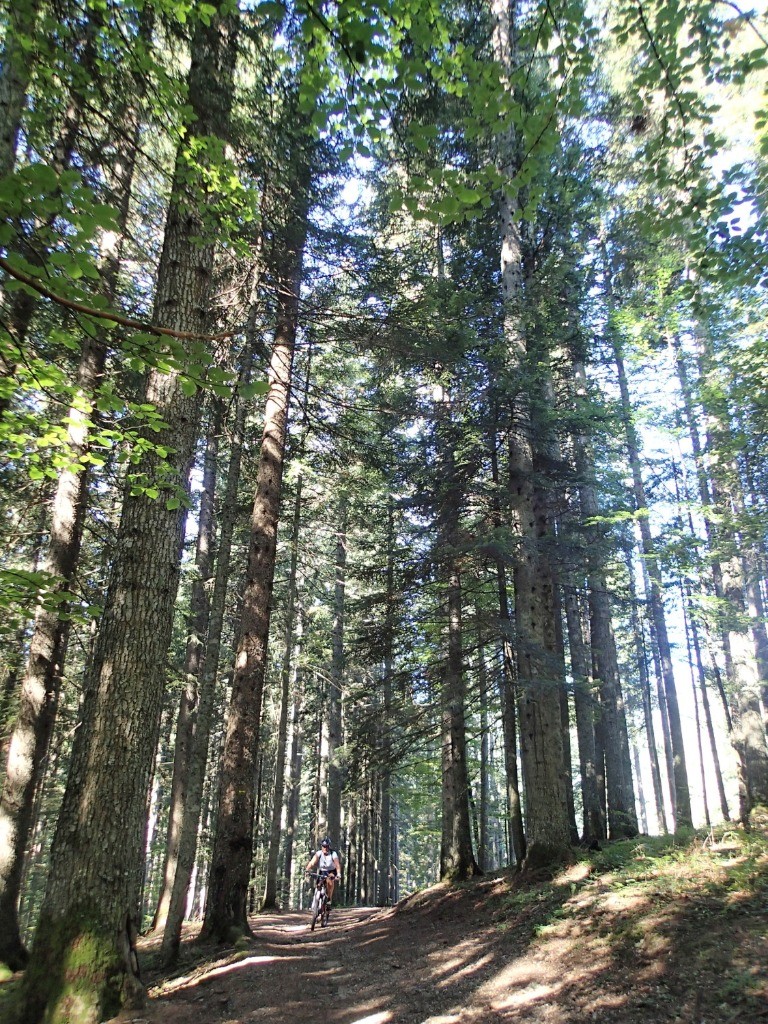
x,y
573,951
287,973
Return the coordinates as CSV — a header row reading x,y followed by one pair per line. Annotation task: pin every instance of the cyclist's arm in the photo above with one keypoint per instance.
x,y
337,865
311,864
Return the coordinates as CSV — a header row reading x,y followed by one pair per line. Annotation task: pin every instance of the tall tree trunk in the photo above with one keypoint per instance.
x,y
508,691
40,687
702,676
750,572
457,859
39,694
93,889
226,911
197,630
645,689
742,669
270,889
33,242
661,698
748,734
640,790
757,615
622,816
756,582
293,783
15,71
395,853
351,869
200,717
713,543
565,722
755,612
697,716
483,843
696,664
584,706
372,831
547,825
384,896
336,681
682,798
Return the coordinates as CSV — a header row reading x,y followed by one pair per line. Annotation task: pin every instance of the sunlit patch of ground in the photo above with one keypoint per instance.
x,y
650,932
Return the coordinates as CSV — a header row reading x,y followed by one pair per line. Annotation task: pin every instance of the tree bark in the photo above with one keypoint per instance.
x,y
457,859
584,706
293,784
740,648
682,801
702,676
226,912
539,675
44,670
15,71
483,843
384,896
508,692
645,689
202,714
748,735
197,629
565,724
270,890
332,825
622,816
92,897
41,684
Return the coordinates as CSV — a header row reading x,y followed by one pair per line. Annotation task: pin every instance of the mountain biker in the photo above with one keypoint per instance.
x,y
326,860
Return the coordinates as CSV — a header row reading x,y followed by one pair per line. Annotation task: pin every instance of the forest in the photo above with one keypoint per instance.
x,y
383,434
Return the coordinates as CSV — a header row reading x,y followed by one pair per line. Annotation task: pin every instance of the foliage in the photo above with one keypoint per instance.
x,y
643,222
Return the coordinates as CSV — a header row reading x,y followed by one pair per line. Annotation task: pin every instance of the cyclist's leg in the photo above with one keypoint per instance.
x,y
329,887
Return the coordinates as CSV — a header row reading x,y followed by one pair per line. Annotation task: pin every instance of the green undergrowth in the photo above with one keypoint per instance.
x,y
723,861
724,868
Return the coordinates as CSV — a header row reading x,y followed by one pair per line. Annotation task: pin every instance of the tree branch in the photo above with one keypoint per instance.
x,y
107,314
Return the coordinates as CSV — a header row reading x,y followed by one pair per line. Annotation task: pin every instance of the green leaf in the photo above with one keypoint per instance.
x,y
468,195
257,387
271,9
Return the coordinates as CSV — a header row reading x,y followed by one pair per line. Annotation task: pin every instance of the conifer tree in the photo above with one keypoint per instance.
x,y
93,889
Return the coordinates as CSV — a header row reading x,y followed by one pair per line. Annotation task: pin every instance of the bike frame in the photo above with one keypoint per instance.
x,y
319,906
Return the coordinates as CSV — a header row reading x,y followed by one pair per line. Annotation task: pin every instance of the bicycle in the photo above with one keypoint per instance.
x,y
319,907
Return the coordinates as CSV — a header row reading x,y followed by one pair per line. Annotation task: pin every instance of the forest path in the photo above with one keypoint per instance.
x,y
369,966
579,948
341,974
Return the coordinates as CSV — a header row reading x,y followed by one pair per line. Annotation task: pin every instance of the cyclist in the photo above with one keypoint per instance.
x,y
326,860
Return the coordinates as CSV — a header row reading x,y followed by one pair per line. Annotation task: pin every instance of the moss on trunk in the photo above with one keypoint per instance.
x,y
79,973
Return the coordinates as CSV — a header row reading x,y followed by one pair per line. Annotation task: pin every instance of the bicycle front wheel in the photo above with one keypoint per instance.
x,y
314,911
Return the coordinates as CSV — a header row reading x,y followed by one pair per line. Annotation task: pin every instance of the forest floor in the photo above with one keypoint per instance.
x,y
644,932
